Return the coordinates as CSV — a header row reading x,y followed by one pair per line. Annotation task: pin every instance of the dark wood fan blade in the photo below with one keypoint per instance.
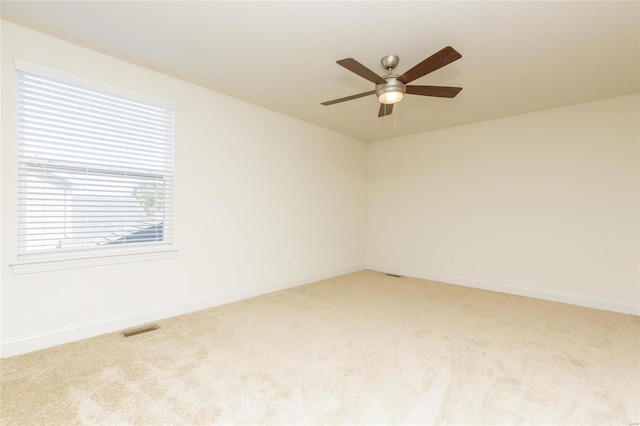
x,y
356,67
385,109
348,98
432,63
439,91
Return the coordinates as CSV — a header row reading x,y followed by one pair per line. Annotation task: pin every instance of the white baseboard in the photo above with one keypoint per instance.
x,y
60,336
571,299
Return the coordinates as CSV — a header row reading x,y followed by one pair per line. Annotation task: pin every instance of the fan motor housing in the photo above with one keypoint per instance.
x,y
392,85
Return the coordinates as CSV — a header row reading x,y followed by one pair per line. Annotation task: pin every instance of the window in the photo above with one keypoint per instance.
x,y
95,168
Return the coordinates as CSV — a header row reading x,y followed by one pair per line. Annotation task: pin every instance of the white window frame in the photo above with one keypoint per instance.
x,y
39,261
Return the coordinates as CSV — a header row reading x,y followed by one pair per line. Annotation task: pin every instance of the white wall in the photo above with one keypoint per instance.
x,y
542,204
252,189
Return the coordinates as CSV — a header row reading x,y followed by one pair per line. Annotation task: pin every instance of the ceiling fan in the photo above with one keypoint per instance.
x,y
391,88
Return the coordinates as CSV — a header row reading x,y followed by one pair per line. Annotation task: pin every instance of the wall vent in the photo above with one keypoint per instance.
x,y
394,275
137,331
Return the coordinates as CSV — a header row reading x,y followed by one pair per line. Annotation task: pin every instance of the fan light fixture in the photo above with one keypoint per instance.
x,y
391,97
391,92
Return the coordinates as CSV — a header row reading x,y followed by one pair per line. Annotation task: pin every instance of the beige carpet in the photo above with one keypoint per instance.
x,y
363,348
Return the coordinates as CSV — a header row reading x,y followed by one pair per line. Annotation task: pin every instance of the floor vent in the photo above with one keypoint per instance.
x,y
394,275
137,331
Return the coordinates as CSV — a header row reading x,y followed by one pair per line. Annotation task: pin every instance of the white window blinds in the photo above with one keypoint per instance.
x,y
95,169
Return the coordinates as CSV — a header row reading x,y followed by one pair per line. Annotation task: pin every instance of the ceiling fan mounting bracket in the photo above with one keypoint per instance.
x,y
389,62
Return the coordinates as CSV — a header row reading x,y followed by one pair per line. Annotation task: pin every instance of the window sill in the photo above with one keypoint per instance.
x,y
57,264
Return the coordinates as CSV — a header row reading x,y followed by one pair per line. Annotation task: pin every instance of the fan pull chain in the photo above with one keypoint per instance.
x,y
395,118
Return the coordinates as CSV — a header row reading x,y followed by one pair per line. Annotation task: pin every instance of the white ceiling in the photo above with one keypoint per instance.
x,y
517,57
